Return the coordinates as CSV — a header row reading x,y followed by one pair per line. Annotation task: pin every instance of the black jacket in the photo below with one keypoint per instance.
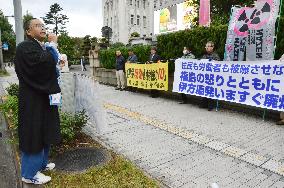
x,y
154,58
120,62
39,123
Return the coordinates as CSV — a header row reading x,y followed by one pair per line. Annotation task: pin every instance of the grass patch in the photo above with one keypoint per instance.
x,y
118,173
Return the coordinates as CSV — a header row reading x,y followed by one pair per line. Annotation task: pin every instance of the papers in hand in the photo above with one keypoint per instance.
x,y
55,99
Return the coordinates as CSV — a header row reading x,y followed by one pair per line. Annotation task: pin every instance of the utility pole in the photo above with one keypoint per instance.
x,y
18,21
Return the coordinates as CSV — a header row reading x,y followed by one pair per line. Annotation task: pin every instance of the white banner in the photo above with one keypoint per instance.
x,y
252,83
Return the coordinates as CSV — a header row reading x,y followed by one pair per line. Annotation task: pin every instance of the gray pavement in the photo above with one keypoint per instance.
x,y
8,168
185,146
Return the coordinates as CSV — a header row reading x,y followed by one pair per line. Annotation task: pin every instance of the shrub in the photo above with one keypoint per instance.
x,y
107,57
13,89
10,109
72,124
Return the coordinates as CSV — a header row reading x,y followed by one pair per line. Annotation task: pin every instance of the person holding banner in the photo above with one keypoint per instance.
x,y
187,54
120,66
154,58
132,58
281,121
210,55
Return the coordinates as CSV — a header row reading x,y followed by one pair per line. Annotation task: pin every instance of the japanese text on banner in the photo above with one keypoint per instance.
x,y
257,84
147,76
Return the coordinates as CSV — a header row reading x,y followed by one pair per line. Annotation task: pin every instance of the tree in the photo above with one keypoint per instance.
x,y
56,19
8,36
66,46
87,45
94,42
28,16
221,9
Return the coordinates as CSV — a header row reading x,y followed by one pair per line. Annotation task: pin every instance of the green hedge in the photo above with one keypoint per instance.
x,y
171,45
107,57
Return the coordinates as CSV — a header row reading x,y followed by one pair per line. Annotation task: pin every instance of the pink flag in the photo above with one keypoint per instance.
x,y
204,13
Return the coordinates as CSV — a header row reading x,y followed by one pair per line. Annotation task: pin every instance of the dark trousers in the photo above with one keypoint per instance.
x,y
183,97
208,103
154,93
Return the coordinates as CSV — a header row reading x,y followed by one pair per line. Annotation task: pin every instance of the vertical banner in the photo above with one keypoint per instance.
x,y
261,33
258,84
147,76
204,13
235,47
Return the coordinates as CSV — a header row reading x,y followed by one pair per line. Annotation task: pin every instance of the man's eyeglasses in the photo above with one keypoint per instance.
x,y
209,46
39,26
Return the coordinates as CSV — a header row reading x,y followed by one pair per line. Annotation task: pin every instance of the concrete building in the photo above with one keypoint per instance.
x,y
128,16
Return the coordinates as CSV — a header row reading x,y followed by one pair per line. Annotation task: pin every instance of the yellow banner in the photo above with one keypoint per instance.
x,y
147,76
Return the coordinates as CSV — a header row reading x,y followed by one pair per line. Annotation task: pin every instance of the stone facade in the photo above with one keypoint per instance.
x,y
128,16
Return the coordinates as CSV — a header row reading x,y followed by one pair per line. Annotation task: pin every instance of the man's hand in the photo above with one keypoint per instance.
x,y
52,37
61,64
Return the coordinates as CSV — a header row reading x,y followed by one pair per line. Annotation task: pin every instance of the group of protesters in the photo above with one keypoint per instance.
x,y
155,58
210,54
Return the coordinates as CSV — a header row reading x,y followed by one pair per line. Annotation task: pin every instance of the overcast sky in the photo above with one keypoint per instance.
x,y
85,16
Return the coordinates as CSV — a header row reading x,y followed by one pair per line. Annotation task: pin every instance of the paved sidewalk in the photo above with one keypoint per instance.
x,y
8,172
185,146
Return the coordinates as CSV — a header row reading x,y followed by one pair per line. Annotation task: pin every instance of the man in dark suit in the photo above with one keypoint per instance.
x,y
154,58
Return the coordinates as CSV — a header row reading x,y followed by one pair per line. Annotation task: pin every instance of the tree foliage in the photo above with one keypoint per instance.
x,y
66,46
87,45
55,19
221,9
8,36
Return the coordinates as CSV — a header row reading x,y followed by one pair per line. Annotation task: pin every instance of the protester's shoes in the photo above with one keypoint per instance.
x,y
182,102
38,179
280,122
210,109
49,166
117,88
121,89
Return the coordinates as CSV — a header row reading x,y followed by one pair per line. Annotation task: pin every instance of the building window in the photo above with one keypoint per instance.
x,y
138,20
132,19
107,22
130,2
111,22
137,3
144,22
144,4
